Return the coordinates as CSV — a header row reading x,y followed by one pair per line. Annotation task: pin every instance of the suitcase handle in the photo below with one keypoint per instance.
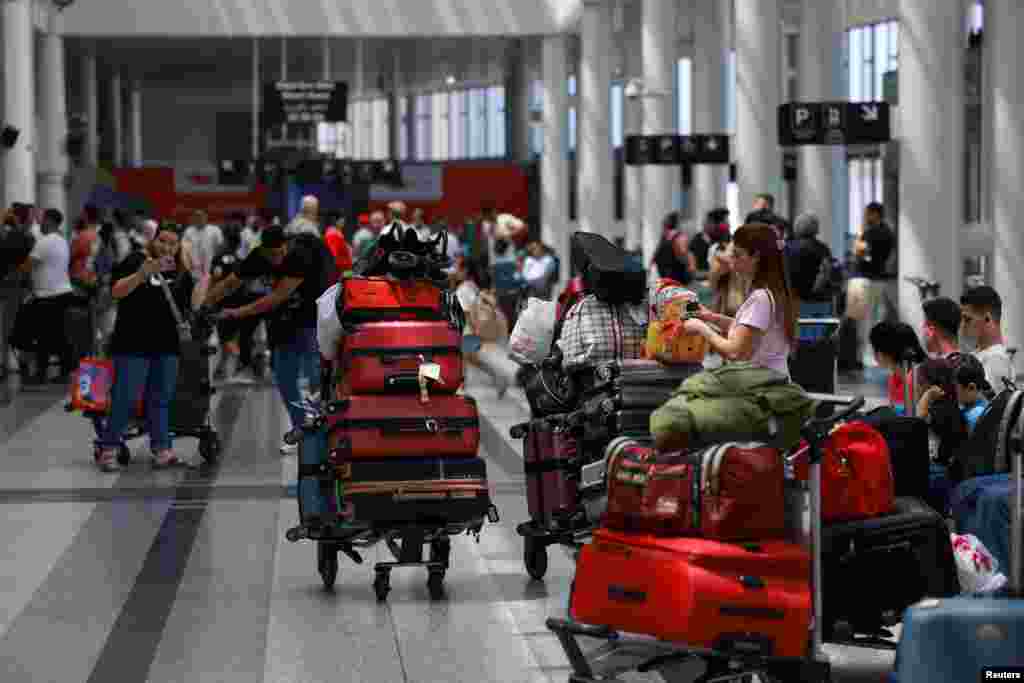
x,y
391,359
401,379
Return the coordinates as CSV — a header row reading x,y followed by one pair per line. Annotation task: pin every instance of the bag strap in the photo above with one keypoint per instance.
x,y
175,311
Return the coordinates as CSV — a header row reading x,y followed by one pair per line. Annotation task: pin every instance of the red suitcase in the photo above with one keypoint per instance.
x,y
550,461
402,426
376,299
386,357
747,597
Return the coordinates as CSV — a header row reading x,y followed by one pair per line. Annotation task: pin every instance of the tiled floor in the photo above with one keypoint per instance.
x,y
185,575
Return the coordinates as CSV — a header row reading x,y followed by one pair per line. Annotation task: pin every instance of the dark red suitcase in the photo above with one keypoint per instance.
x,y
550,459
401,426
385,357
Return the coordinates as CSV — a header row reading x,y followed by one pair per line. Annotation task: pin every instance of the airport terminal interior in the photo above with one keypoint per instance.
x,y
218,136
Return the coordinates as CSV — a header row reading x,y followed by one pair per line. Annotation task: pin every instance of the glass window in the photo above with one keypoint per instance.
x,y
457,125
403,128
440,126
496,122
478,123
424,127
617,122
730,93
380,115
684,82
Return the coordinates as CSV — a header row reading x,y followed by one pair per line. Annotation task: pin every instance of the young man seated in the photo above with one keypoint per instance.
x,y
981,313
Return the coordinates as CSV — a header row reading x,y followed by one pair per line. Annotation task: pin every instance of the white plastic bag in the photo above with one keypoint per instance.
x,y
531,339
977,569
328,325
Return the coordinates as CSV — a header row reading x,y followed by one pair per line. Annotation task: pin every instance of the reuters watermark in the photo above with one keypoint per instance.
x,y
1002,673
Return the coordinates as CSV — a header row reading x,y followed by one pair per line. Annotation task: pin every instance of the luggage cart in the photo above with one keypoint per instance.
x,y
651,653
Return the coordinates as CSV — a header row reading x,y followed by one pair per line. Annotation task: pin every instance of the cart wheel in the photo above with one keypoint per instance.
x,y
382,586
209,446
435,584
535,557
327,564
440,551
124,454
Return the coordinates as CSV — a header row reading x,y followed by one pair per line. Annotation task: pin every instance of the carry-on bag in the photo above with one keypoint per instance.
x,y
385,426
899,558
422,490
965,638
551,461
607,270
386,357
91,386
190,407
856,473
985,451
753,598
728,491
907,438
617,376
379,299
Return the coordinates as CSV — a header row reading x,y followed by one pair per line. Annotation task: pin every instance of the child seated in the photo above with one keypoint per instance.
x,y
971,389
894,343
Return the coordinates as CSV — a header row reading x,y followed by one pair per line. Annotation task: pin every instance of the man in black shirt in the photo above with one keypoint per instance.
x,y
872,251
300,268
809,261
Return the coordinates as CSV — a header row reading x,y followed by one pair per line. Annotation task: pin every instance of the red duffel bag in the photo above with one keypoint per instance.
x,y
729,491
856,473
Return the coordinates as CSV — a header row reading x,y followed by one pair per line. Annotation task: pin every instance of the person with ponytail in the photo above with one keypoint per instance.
x,y
764,329
145,345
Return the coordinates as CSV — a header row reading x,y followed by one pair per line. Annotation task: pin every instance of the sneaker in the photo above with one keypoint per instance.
x,y
106,460
287,448
166,458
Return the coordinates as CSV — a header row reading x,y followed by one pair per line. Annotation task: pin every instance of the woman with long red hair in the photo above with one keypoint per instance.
x,y
764,329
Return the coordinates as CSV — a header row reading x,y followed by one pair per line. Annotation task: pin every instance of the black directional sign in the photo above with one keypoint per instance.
x,y
672,150
304,102
834,123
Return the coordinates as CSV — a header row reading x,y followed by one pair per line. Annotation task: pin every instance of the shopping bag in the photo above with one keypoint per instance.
x,y
977,569
91,385
858,298
531,339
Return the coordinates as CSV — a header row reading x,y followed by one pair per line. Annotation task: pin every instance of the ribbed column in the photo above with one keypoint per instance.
x,y
90,105
595,169
19,101
116,119
135,123
554,164
709,71
54,159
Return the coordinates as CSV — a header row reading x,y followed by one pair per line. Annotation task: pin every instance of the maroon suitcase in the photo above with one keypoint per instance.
x,y
551,463
385,357
385,426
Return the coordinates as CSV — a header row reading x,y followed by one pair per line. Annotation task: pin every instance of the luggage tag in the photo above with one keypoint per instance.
x,y
427,372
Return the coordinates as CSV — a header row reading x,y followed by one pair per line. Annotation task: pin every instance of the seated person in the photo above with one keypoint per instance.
x,y
971,388
981,313
892,343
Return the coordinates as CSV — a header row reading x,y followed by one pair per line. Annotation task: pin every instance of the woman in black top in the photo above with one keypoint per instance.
x,y
145,345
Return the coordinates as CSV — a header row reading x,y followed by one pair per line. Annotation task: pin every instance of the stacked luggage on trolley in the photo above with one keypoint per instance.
x,y
391,451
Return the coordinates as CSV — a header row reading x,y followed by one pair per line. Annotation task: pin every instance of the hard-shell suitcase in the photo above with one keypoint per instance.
x,y
608,271
731,597
378,299
551,461
385,426
386,357
969,638
423,490
190,408
613,376
903,557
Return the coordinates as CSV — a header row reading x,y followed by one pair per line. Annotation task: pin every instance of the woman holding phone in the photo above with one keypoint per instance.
x,y
145,345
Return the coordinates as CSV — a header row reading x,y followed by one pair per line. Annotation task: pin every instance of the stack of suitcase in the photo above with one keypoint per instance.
x,y
401,442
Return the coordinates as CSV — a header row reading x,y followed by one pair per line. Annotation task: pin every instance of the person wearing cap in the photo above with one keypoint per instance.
x,y
301,269
806,255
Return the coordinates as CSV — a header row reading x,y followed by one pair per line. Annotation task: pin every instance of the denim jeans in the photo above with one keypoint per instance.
x,y
982,506
298,357
155,377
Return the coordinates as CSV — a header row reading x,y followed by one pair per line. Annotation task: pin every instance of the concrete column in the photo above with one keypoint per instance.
x,y
116,119
819,42
709,182
758,95
19,101
54,160
633,176
518,76
394,116
1003,25
90,106
554,164
658,50
931,111
595,168
135,123
257,134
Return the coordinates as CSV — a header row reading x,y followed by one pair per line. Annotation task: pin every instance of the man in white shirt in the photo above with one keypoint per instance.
x,y
423,231
981,312
199,246
308,220
51,296
539,270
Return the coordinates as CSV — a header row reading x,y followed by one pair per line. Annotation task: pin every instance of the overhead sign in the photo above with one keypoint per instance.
x,y
304,102
672,150
834,123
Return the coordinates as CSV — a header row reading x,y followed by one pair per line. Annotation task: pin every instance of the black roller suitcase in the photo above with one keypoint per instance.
x,y
630,423
617,376
874,569
190,408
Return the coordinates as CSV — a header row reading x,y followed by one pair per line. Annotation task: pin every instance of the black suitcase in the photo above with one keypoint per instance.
x,y
613,376
630,423
608,271
813,366
190,408
420,490
629,397
907,438
874,569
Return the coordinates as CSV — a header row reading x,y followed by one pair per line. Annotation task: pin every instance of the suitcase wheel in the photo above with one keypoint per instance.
x,y
124,454
382,585
535,557
327,564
